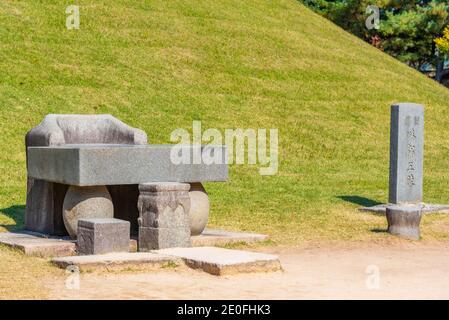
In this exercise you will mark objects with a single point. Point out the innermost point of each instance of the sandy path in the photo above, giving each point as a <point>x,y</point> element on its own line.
<point>405,272</point>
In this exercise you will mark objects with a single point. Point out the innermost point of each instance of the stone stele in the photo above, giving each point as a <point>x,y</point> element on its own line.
<point>406,153</point>
<point>406,159</point>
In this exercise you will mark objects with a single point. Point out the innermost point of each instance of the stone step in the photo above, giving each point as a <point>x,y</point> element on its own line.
<point>220,261</point>
<point>33,245</point>
<point>117,261</point>
<point>216,261</point>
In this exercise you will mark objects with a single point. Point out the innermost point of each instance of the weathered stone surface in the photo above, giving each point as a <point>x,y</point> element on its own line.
<point>100,236</point>
<point>213,237</point>
<point>159,238</point>
<point>117,261</point>
<point>99,164</point>
<point>199,208</point>
<point>216,261</point>
<point>164,205</point>
<point>219,261</point>
<point>37,245</point>
<point>159,187</point>
<point>43,211</point>
<point>403,220</point>
<point>44,199</point>
<point>406,153</point>
<point>209,237</point>
<point>164,215</point>
<point>60,129</point>
<point>85,203</point>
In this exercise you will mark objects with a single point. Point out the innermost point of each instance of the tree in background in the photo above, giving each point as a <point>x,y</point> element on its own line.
<point>442,44</point>
<point>348,14</point>
<point>443,41</point>
<point>407,27</point>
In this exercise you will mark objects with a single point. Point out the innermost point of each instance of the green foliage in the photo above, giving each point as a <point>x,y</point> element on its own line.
<point>407,27</point>
<point>443,42</point>
<point>321,6</point>
<point>348,14</point>
<point>351,16</point>
<point>408,32</point>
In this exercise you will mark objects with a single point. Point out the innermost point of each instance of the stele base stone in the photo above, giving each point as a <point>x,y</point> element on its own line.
<point>425,208</point>
<point>100,236</point>
<point>403,220</point>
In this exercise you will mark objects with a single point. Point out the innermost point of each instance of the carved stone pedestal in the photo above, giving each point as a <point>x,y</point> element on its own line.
<point>403,220</point>
<point>164,215</point>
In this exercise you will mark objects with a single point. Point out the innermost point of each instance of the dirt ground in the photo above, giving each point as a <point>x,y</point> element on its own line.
<point>404,271</point>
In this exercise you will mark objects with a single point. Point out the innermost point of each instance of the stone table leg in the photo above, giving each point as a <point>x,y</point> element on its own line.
<point>164,215</point>
<point>199,208</point>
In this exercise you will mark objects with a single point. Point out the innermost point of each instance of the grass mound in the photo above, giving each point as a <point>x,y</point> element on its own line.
<point>159,65</point>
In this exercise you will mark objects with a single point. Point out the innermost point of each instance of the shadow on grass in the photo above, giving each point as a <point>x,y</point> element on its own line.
<point>378,230</point>
<point>361,201</point>
<point>17,214</point>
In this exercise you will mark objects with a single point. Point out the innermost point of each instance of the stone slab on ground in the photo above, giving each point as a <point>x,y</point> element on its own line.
<point>38,244</point>
<point>31,244</point>
<point>117,261</point>
<point>220,261</point>
<point>215,237</point>
<point>427,208</point>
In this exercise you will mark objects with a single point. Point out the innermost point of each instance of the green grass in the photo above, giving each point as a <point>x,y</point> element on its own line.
<point>24,277</point>
<point>159,65</point>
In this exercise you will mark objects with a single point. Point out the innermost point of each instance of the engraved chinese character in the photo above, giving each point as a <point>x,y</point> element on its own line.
<point>416,120</point>
<point>411,179</point>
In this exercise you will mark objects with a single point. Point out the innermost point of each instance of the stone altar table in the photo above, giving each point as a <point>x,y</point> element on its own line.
<point>82,167</point>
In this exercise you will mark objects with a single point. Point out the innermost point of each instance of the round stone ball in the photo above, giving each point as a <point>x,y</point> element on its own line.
<point>199,208</point>
<point>85,203</point>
